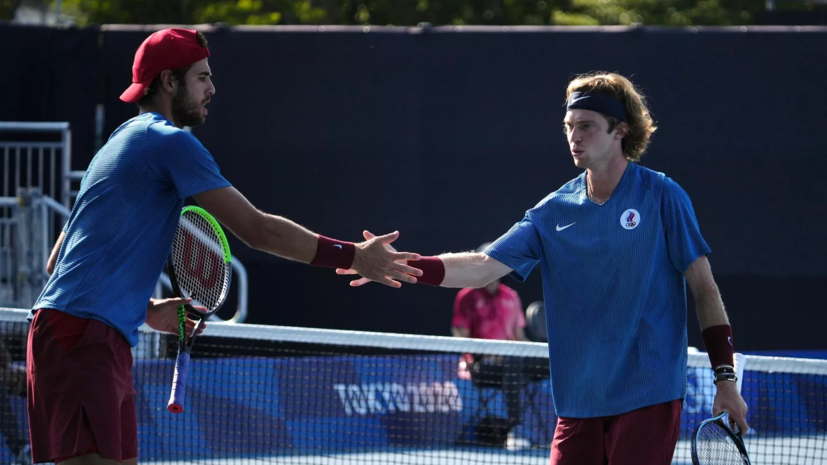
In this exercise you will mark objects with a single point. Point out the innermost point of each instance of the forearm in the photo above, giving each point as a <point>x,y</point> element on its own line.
<point>710,307</point>
<point>471,269</point>
<point>282,237</point>
<point>50,264</point>
<point>712,318</point>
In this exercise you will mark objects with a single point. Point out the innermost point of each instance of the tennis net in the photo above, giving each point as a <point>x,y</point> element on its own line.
<point>276,395</point>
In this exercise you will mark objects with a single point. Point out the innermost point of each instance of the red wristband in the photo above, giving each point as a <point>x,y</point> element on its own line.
<point>718,342</point>
<point>331,253</point>
<point>433,270</point>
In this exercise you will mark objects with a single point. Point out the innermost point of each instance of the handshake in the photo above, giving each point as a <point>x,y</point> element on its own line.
<point>376,260</point>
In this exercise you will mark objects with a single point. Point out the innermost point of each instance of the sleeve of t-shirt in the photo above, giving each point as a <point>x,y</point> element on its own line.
<point>683,235</point>
<point>190,167</point>
<point>519,248</point>
<point>460,319</point>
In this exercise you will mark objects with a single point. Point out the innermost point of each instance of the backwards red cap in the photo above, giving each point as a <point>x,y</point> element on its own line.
<point>167,49</point>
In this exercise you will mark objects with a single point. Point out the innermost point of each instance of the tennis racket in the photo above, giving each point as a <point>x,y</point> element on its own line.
<point>714,443</point>
<point>199,268</point>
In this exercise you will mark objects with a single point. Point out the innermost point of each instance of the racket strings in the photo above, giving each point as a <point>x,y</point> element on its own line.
<point>199,261</point>
<point>715,447</point>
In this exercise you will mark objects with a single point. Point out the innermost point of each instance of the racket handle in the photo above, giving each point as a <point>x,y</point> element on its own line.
<point>179,383</point>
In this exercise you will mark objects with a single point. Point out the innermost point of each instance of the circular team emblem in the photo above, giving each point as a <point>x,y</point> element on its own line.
<point>630,219</point>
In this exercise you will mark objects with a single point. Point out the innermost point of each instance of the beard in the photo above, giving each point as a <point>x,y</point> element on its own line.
<point>185,110</point>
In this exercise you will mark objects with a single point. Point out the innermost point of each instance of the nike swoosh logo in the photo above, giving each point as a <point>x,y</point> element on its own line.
<point>337,246</point>
<point>566,226</point>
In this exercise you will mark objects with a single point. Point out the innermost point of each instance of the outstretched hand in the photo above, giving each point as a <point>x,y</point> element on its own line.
<point>376,260</point>
<point>162,315</point>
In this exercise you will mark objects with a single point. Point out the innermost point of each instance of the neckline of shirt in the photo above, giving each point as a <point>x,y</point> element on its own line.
<point>584,187</point>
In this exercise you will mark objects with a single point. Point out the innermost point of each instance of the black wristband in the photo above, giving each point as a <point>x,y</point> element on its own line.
<point>725,374</point>
<point>724,369</point>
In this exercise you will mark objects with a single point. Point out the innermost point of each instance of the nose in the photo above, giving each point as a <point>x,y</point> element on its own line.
<point>575,136</point>
<point>211,89</point>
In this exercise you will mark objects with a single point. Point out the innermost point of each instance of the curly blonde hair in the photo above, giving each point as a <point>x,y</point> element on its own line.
<point>640,122</point>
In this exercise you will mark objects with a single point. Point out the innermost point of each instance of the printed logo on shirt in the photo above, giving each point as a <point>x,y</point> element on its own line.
<point>630,219</point>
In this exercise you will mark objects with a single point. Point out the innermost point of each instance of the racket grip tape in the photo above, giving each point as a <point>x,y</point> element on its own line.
<point>179,383</point>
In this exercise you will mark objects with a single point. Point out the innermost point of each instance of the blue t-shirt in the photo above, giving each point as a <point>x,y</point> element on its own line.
<point>614,290</point>
<point>121,227</point>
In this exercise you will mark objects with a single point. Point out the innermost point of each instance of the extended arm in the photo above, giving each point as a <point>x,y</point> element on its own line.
<point>471,269</point>
<point>465,269</point>
<point>282,237</point>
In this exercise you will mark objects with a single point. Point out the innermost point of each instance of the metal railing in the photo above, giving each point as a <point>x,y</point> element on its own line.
<point>23,158</point>
<point>37,196</point>
<point>24,247</point>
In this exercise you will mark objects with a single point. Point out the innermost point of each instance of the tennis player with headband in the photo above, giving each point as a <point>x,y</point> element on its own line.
<point>616,246</point>
<point>113,248</point>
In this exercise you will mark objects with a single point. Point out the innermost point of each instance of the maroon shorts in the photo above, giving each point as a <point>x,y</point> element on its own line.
<point>80,393</point>
<point>645,436</point>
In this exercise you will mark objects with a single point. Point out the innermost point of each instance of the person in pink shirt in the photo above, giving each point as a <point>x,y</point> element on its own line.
<point>491,312</point>
<point>494,312</point>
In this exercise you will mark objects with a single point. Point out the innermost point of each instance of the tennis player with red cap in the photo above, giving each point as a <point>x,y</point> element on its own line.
<point>107,260</point>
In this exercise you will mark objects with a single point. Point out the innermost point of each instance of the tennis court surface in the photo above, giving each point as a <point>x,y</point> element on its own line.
<point>273,395</point>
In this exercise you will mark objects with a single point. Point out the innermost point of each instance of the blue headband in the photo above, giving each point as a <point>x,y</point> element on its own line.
<point>600,103</point>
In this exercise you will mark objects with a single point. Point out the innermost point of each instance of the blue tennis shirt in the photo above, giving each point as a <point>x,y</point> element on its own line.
<point>615,294</point>
<point>121,227</point>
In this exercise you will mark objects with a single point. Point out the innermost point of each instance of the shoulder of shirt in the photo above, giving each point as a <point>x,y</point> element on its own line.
<point>157,129</point>
<point>568,188</point>
<point>463,293</point>
<point>656,182</point>
<point>508,291</point>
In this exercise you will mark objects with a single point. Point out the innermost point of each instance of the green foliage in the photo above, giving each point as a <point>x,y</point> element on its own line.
<point>7,8</point>
<point>669,12</point>
<point>412,12</point>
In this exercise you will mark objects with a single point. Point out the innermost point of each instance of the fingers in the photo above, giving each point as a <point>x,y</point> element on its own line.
<point>200,330</point>
<point>402,277</point>
<point>388,238</point>
<point>368,235</point>
<point>389,282</point>
<point>191,326</point>
<point>737,416</point>
<point>740,418</point>
<point>741,423</point>
<point>359,282</point>
<point>342,271</point>
<point>405,256</point>
<point>408,269</point>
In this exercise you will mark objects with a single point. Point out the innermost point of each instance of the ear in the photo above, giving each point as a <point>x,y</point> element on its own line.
<point>621,130</point>
<point>168,81</point>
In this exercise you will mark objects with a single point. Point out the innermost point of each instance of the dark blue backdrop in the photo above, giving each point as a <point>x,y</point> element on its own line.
<point>449,136</point>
